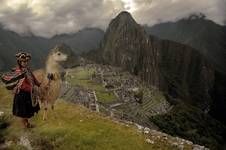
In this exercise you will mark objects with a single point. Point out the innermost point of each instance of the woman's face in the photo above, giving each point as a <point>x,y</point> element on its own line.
<point>24,64</point>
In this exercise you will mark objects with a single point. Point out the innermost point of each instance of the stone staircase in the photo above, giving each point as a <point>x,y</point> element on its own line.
<point>93,105</point>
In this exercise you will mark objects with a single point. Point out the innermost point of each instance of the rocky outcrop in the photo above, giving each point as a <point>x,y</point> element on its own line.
<point>127,45</point>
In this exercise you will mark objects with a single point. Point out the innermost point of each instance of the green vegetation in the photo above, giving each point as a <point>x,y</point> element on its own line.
<point>5,99</point>
<point>82,77</point>
<point>191,123</point>
<point>3,124</point>
<point>151,99</point>
<point>5,104</point>
<point>105,97</point>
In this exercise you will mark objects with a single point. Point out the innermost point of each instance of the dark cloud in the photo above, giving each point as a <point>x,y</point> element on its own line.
<point>50,17</point>
<point>169,10</point>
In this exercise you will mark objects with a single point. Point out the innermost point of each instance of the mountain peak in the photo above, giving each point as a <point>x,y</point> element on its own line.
<point>124,13</point>
<point>124,17</point>
<point>195,16</point>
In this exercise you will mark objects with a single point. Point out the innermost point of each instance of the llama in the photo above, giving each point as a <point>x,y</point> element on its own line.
<point>50,79</point>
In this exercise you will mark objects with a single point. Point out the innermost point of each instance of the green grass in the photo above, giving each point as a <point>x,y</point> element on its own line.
<point>5,99</point>
<point>93,132</point>
<point>70,126</point>
<point>82,77</point>
<point>105,97</point>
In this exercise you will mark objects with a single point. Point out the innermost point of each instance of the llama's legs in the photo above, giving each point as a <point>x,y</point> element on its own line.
<point>45,110</point>
<point>45,114</point>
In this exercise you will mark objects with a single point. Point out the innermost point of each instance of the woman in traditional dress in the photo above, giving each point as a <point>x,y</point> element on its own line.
<point>22,103</point>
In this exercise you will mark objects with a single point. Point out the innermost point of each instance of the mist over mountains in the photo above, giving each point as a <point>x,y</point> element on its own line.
<point>11,43</point>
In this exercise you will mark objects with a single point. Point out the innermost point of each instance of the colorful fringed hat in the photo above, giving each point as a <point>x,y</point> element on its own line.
<point>23,56</point>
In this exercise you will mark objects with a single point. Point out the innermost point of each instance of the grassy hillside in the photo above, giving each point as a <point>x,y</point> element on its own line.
<point>71,126</point>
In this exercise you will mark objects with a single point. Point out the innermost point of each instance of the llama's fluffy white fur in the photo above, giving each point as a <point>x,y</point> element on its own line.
<point>50,89</point>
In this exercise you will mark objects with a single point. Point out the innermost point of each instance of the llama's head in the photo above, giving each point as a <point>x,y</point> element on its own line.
<point>58,56</point>
<point>62,49</point>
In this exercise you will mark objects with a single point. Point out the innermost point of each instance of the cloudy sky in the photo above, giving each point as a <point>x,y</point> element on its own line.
<point>49,17</point>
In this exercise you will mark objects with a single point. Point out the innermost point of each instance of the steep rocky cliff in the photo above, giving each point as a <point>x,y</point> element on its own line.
<point>198,32</point>
<point>209,39</point>
<point>119,30</point>
<point>185,73</point>
<point>126,44</point>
